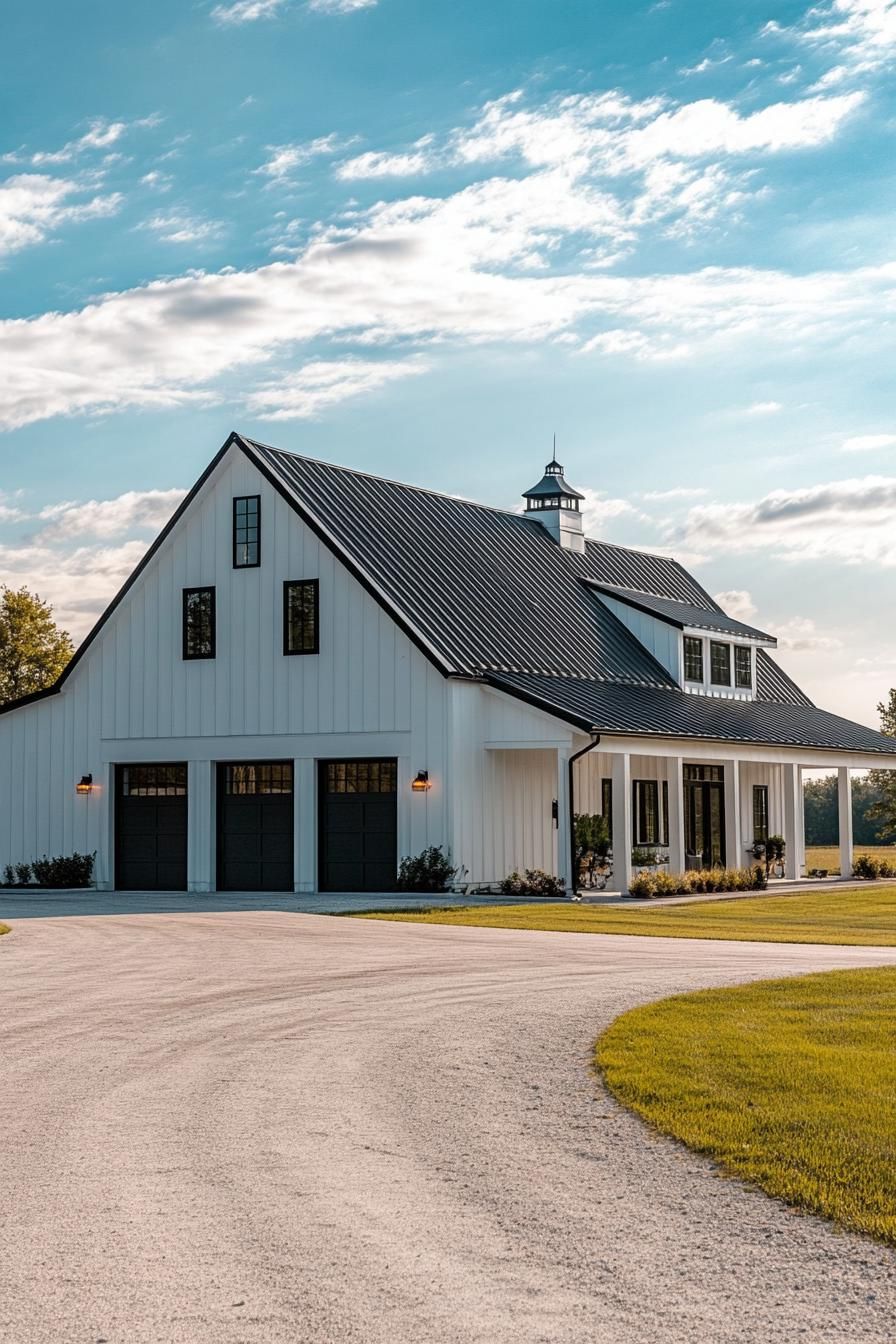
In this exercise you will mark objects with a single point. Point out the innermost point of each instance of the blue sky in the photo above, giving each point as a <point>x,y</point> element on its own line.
<point>420,239</point>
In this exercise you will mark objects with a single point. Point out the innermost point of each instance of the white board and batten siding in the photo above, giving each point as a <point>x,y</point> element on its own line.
<point>658,637</point>
<point>132,698</point>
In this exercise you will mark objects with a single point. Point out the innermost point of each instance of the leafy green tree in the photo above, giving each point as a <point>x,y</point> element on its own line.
<point>884,781</point>
<point>33,650</point>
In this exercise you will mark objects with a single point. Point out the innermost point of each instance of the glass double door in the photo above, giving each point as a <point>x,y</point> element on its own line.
<point>704,816</point>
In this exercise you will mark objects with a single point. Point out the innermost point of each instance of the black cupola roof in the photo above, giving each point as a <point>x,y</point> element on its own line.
<point>552,491</point>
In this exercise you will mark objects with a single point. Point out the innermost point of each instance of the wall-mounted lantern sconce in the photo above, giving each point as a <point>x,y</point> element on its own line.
<point>421,782</point>
<point>84,784</point>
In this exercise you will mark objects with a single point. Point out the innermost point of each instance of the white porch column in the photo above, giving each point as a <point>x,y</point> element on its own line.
<point>201,828</point>
<point>676,815</point>
<point>304,876</point>
<point>734,850</point>
<point>844,799</point>
<point>622,821</point>
<point>562,831</point>
<point>792,780</point>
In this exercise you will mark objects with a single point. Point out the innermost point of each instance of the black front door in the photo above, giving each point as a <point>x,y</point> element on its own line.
<point>151,827</point>
<point>358,825</point>
<point>704,816</point>
<point>255,826</point>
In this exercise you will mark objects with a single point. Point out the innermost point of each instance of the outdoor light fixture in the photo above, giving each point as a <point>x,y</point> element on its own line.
<point>420,783</point>
<point>85,784</point>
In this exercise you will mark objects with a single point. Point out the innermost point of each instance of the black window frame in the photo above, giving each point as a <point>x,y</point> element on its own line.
<point>641,788</point>
<point>713,679</point>
<point>692,641</point>
<point>739,651</point>
<point>247,564</point>
<point>760,815</point>
<point>313,586</point>
<point>189,657</point>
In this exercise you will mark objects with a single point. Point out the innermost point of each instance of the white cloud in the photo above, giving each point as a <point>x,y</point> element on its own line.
<point>373,164</point>
<point>108,518</point>
<point>340,6</point>
<point>156,181</point>
<point>320,384</point>
<point>677,492</point>
<point>763,408</point>
<point>247,11</point>
<point>100,135</point>
<point>868,443</point>
<point>286,158</point>
<point>34,205</point>
<point>859,34</point>
<point>180,227</point>
<point>738,604</point>
<point>800,635</point>
<point>848,521</point>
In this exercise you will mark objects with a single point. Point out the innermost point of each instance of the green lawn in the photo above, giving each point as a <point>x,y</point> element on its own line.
<point>863,916</point>
<point>789,1084</point>
<point>828,856</point>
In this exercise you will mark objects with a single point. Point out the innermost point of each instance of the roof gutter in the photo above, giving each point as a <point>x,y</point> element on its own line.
<point>571,794</point>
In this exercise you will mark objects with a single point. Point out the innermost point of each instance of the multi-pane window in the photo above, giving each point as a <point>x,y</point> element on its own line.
<point>606,803</point>
<point>651,822</point>
<point>246,531</point>
<point>153,781</point>
<point>361,776</point>
<point>259,778</point>
<point>300,616</point>
<point>720,664</point>
<point>713,774</point>
<point>760,814</point>
<point>693,658</point>
<point>199,623</point>
<point>743,667</point>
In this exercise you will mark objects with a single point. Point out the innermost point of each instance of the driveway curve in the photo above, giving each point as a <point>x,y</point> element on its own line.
<point>272,1127</point>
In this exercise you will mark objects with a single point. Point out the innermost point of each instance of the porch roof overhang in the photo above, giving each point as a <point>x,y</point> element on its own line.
<point>640,711</point>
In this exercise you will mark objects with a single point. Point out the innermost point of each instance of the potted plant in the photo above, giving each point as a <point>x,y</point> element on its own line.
<point>775,847</point>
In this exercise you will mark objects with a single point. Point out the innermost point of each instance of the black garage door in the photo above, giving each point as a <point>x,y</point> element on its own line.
<point>151,827</point>
<point>255,826</point>
<point>358,825</point>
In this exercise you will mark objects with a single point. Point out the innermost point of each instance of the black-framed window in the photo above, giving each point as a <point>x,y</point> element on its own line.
<point>246,531</point>
<point>606,804</point>
<point>650,819</point>
<point>301,624</point>
<point>362,776</point>
<point>719,664</point>
<point>199,623</point>
<point>693,658</point>
<point>700,773</point>
<point>153,781</point>
<point>260,777</point>
<point>760,814</point>
<point>743,667</point>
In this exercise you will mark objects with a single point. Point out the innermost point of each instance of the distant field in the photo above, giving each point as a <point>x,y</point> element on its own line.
<point>828,856</point>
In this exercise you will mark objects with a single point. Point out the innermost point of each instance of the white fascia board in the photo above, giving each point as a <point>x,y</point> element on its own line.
<point>704,749</point>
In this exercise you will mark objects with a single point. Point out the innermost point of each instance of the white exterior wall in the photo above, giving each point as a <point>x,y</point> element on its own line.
<point>133,698</point>
<point>658,637</point>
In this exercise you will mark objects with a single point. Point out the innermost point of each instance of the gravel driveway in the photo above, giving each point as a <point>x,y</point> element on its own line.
<point>270,1127</point>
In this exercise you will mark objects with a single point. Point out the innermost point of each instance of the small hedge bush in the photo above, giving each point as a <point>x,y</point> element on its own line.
<point>430,870</point>
<point>872,869</point>
<point>534,882</point>
<point>650,885</point>
<point>75,870</point>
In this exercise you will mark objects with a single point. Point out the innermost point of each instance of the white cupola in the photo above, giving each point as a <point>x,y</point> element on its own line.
<point>555,505</point>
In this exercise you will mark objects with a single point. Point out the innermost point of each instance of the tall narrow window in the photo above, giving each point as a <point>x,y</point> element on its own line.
<point>760,814</point>
<point>743,667</point>
<point>301,632</point>
<point>720,664</point>
<point>606,803</point>
<point>646,812</point>
<point>199,623</point>
<point>693,658</point>
<point>246,531</point>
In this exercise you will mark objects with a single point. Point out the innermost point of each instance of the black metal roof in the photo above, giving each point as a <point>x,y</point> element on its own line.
<point>642,711</point>
<point>682,614</point>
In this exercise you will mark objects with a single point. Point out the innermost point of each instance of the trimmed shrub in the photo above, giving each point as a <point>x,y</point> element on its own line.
<point>700,881</point>
<point>871,868</point>
<point>23,874</point>
<point>534,882</point>
<point>75,870</point>
<point>431,870</point>
<point>9,876</point>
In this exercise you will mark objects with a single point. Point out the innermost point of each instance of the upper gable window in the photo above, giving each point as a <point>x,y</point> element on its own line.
<point>720,664</point>
<point>246,531</point>
<point>301,632</point>
<point>743,667</point>
<point>199,623</point>
<point>693,658</point>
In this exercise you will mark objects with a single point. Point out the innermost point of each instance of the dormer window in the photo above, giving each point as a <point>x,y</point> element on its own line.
<point>719,663</point>
<point>743,667</point>
<point>693,659</point>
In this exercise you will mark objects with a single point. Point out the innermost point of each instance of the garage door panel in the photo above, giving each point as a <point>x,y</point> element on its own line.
<point>151,827</point>
<point>255,826</point>
<point>358,825</point>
